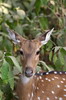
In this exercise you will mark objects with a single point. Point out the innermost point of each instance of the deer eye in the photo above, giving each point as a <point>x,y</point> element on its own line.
<point>38,52</point>
<point>20,52</point>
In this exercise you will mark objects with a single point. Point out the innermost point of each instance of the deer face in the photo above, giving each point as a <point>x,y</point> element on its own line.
<point>29,56</point>
<point>29,50</point>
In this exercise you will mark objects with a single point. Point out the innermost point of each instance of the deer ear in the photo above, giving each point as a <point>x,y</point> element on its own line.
<point>44,38</point>
<point>15,37</point>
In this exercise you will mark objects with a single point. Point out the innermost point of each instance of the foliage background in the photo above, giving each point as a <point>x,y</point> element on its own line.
<point>31,18</point>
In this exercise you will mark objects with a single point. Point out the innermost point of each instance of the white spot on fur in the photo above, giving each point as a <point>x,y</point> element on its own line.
<point>48,98</point>
<point>38,98</point>
<point>38,72</point>
<point>60,98</point>
<point>64,95</point>
<point>47,73</point>
<point>53,79</point>
<point>37,88</point>
<point>56,77</point>
<point>58,86</point>
<point>64,85</point>
<point>40,77</point>
<point>52,92</point>
<point>56,97</point>
<point>46,78</point>
<point>60,72</point>
<point>49,80</point>
<point>62,82</point>
<point>63,79</point>
<point>37,78</point>
<point>42,80</point>
<point>41,74</point>
<point>64,89</point>
<point>42,91</point>
<point>29,95</point>
<point>32,94</point>
<point>55,72</point>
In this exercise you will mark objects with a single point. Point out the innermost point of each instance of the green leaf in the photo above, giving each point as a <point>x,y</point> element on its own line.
<point>4,71</point>
<point>43,23</point>
<point>58,65</point>
<point>57,48</point>
<point>11,79</point>
<point>37,6</point>
<point>38,69</point>
<point>49,46</point>
<point>1,95</point>
<point>63,51</point>
<point>50,56</point>
<point>1,55</point>
<point>45,65</point>
<point>19,29</point>
<point>15,62</point>
<point>44,2</point>
<point>61,58</point>
<point>55,58</point>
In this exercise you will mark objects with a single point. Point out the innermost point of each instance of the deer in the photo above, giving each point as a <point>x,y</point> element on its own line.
<point>34,85</point>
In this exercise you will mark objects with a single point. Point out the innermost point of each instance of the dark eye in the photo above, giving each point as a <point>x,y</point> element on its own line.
<point>20,52</point>
<point>38,52</point>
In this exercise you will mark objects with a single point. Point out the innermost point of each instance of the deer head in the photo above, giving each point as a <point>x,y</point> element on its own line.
<point>29,50</point>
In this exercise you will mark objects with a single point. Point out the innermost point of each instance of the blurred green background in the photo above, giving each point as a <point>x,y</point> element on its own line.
<point>31,18</point>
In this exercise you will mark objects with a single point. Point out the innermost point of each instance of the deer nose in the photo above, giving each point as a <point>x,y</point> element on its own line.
<point>28,71</point>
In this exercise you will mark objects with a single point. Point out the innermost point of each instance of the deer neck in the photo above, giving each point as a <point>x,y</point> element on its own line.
<point>26,87</point>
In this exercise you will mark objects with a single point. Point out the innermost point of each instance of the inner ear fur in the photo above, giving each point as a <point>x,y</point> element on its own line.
<point>43,36</point>
<point>14,36</point>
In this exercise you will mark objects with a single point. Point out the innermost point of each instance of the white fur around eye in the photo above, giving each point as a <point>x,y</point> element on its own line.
<point>47,38</point>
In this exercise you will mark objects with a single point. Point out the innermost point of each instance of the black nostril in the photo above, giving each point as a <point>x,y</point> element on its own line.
<point>28,71</point>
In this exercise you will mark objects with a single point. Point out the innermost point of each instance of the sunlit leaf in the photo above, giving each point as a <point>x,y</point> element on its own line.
<point>21,13</point>
<point>15,63</point>
<point>52,2</point>
<point>4,10</point>
<point>45,65</point>
<point>5,4</point>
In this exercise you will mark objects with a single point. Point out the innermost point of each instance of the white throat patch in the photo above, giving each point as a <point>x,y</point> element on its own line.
<point>25,79</point>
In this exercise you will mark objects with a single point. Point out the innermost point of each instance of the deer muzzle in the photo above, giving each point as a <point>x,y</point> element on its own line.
<point>28,71</point>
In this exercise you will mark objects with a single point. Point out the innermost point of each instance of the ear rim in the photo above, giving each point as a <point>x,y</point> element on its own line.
<point>14,36</point>
<point>43,37</point>
<point>47,38</point>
